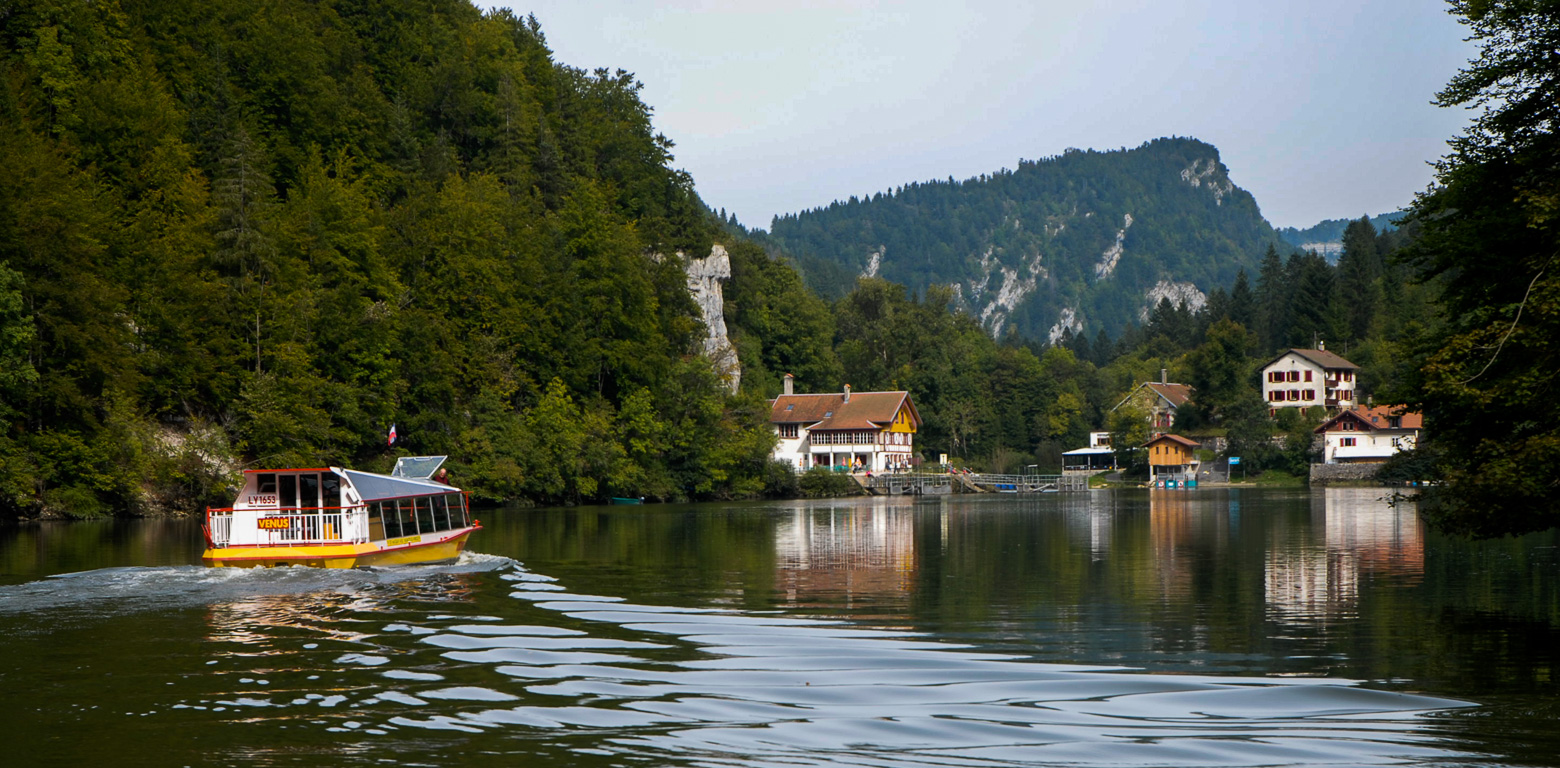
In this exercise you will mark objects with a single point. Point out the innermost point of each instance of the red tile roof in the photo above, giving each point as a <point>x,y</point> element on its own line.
<point>1377,417</point>
<point>1177,394</point>
<point>866,410</point>
<point>1173,438</point>
<point>1319,356</point>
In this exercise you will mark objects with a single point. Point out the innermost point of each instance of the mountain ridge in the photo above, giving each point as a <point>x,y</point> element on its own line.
<point>1081,241</point>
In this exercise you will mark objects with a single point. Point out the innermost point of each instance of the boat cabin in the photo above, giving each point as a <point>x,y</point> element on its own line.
<point>333,506</point>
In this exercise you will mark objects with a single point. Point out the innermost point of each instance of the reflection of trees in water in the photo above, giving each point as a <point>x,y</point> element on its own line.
<point>853,551</point>
<point>1363,536</point>
<point>64,546</point>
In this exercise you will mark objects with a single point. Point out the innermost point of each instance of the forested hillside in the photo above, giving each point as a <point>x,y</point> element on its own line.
<point>237,234</point>
<point>1326,237</point>
<point>1086,241</point>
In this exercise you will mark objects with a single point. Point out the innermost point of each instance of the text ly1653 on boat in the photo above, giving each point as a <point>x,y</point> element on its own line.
<point>340,518</point>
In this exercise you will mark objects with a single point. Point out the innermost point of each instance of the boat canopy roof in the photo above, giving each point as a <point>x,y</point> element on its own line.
<point>417,467</point>
<point>375,487</point>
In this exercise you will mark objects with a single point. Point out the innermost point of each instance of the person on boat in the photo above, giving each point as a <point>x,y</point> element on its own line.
<point>442,476</point>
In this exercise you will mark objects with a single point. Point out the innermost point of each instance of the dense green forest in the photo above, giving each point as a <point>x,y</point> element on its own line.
<point>259,235</point>
<point>1086,233</point>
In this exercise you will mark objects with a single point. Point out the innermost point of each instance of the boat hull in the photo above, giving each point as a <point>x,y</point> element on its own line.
<point>408,550</point>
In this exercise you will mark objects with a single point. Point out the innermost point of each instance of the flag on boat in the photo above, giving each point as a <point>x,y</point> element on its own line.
<point>391,441</point>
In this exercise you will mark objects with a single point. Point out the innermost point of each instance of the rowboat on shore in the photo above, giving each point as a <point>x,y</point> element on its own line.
<point>340,518</point>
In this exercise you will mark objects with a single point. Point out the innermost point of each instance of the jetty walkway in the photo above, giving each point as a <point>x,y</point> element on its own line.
<point>942,483</point>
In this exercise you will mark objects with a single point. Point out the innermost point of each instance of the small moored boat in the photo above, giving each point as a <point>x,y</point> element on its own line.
<point>340,518</point>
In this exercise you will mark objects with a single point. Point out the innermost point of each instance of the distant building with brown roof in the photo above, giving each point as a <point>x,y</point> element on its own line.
<point>871,431</point>
<point>1159,399</point>
<point>1369,434</point>
<point>1301,378</point>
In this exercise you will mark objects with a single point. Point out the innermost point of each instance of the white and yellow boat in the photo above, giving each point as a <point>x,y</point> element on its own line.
<point>340,518</point>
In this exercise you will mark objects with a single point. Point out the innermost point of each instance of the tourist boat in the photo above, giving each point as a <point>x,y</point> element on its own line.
<point>340,518</point>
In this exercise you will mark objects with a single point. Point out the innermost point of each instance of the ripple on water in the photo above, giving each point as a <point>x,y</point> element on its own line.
<point>715,687</point>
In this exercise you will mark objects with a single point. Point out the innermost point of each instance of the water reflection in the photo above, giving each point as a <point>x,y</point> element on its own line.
<point>851,551</point>
<point>1358,534</point>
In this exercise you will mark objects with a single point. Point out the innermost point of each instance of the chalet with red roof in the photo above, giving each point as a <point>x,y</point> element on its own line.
<point>1160,400</point>
<point>865,431</point>
<point>1301,378</point>
<point>1369,434</point>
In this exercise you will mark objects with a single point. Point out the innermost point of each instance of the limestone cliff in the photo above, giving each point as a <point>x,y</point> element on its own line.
<point>704,284</point>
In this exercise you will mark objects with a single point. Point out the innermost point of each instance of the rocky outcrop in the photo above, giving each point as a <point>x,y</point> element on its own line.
<point>1205,172</point>
<point>874,262</point>
<point>1067,321</point>
<point>1108,259</point>
<point>704,284</point>
<point>1177,293</point>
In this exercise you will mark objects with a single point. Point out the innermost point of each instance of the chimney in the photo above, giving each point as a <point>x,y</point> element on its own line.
<point>1321,346</point>
<point>1370,401</point>
<point>847,393</point>
<point>790,384</point>
<point>1164,375</point>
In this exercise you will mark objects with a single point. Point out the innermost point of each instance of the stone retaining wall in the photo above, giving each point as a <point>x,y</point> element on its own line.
<point>1327,474</point>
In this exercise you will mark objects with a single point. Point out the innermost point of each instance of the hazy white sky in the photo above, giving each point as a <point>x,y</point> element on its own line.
<point>1321,108</point>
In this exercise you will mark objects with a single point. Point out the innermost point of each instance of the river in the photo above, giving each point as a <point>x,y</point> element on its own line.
<point>1247,627</point>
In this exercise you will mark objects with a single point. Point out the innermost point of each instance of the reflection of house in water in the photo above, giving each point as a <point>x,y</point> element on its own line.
<point>1173,526</point>
<point>852,551</point>
<point>1364,535</point>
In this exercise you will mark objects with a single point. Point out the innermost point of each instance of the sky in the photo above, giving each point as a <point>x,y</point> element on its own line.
<point>1321,109</point>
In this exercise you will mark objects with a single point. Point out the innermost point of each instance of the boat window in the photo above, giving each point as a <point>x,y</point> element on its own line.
<point>408,514</point>
<point>441,512</point>
<point>289,490</point>
<point>425,520</point>
<point>331,485</point>
<point>458,503</point>
<point>265,483</point>
<point>391,521</point>
<point>309,490</point>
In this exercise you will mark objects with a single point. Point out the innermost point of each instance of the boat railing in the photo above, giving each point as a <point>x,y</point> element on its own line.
<point>292,527</point>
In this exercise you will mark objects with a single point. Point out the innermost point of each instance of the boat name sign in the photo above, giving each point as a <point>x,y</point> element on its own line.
<point>274,523</point>
<point>263,500</point>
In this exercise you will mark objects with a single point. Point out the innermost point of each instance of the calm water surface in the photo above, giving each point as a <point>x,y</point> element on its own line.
<point>1133,628</point>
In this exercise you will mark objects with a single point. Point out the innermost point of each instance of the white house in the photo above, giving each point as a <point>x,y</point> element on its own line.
<point>1366,434</point>
<point>1097,457</point>
<point>872,431</point>
<point>1301,378</point>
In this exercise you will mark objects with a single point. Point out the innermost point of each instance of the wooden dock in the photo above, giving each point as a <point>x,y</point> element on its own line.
<point>944,483</point>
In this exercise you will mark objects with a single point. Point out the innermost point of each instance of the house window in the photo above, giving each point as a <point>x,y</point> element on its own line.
<point>1294,375</point>
<point>1307,375</point>
<point>1294,395</point>
<point>1347,442</point>
<point>789,431</point>
<point>1310,394</point>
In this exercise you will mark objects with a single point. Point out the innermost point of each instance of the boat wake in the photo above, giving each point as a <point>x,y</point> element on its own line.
<point>122,590</point>
<point>599,675</point>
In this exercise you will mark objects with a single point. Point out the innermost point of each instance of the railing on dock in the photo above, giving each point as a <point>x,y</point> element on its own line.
<point>940,483</point>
